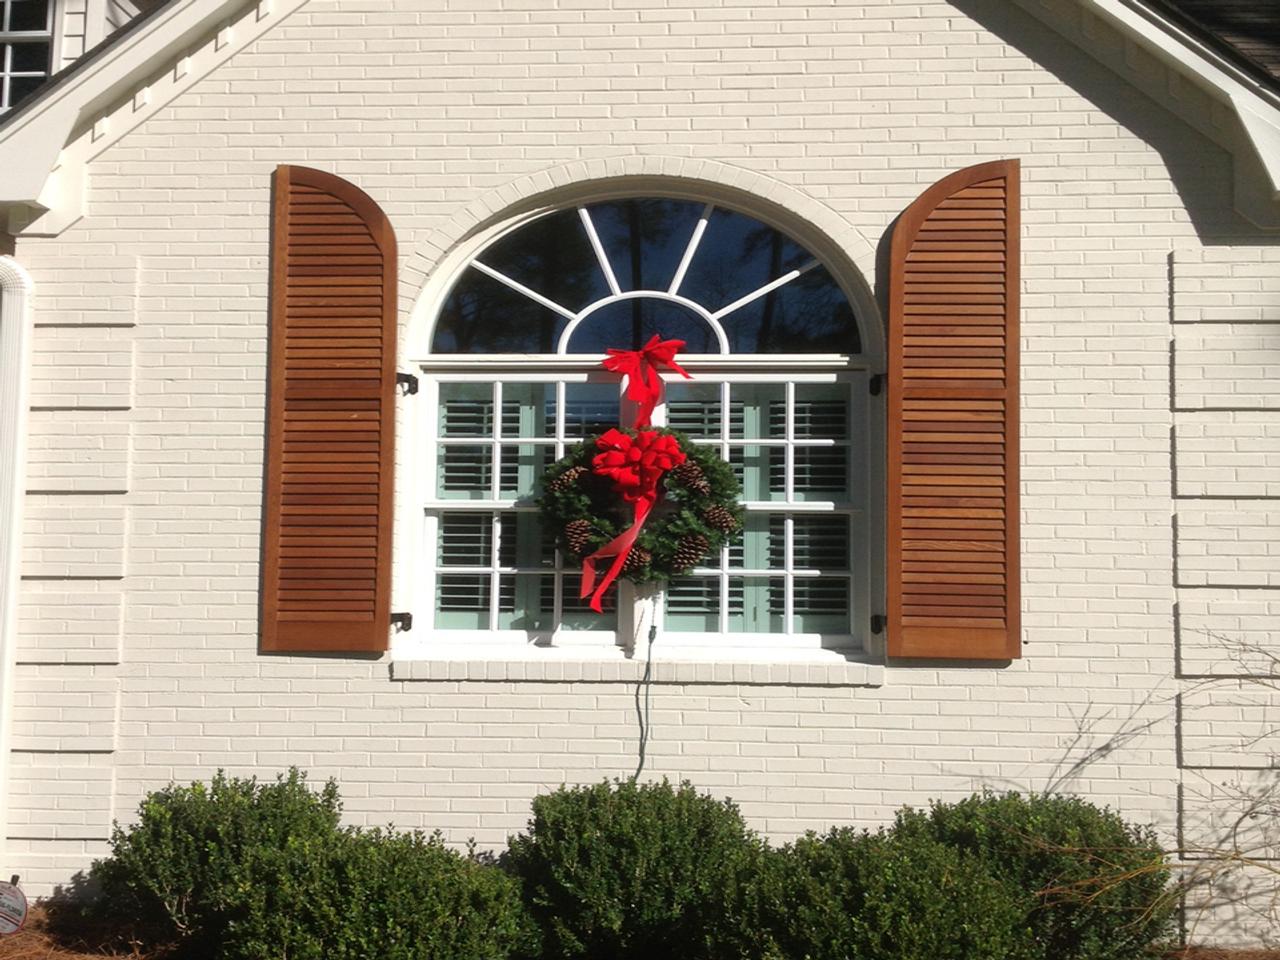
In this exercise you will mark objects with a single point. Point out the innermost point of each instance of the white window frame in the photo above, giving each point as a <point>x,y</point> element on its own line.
<point>637,609</point>
<point>10,38</point>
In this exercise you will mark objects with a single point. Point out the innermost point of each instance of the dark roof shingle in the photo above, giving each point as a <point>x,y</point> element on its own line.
<point>1246,31</point>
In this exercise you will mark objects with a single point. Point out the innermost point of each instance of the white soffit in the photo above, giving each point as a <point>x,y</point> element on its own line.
<point>45,149</point>
<point>1255,104</point>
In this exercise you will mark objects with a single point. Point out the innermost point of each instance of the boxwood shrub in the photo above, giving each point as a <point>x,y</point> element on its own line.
<point>243,870</point>
<point>888,897</point>
<point>1097,887</point>
<point>639,870</point>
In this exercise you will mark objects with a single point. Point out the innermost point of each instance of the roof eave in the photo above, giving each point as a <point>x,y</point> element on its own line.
<point>31,140</point>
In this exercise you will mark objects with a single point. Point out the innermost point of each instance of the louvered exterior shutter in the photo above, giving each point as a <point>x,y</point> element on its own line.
<point>953,571</point>
<point>330,427</point>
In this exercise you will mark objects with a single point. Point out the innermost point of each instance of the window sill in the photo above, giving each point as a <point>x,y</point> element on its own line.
<point>583,667</point>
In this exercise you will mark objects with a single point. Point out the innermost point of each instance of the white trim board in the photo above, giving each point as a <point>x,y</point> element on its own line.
<point>15,349</point>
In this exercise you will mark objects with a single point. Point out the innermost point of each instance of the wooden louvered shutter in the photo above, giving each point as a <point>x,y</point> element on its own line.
<point>953,572</point>
<point>330,426</point>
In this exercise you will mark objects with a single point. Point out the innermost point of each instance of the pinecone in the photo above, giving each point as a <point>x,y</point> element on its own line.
<point>720,517</point>
<point>577,536</point>
<point>566,480</point>
<point>691,475</point>
<point>637,558</point>
<point>689,551</point>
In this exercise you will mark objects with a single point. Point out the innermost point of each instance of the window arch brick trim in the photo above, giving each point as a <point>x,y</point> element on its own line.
<point>328,495</point>
<point>953,544</point>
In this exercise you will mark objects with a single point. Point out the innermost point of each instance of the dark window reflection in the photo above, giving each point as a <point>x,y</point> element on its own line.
<point>551,256</point>
<point>645,238</point>
<point>736,256</point>
<point>485,316</point>
<point>809,314</point>
<point>628,325</point>
<point>28,15</point>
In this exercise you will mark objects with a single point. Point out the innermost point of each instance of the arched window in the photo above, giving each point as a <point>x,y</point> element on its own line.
<point>780,389</point>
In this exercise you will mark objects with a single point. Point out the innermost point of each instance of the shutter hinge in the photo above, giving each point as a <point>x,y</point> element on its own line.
<point>402,620</point>
<point>408,381</point>
<point>876,384</point>
<point>877,623</point>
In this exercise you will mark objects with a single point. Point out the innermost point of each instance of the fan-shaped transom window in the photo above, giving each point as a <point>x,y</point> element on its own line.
<point>612,274</point>
<point>788,412</point>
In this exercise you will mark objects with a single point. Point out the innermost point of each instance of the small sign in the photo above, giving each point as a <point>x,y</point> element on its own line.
<point>13,908</point>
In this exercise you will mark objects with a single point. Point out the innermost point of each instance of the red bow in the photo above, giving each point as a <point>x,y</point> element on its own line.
<point>640,367</point>
<point>635,464</point>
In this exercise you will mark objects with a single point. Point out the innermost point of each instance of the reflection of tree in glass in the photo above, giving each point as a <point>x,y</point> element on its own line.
<point>644,239</point>
<point>551,256</point>
<point>485,316</point>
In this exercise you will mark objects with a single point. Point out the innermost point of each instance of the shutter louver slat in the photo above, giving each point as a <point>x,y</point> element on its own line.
<point>953,423</point>
<point>328,493</point>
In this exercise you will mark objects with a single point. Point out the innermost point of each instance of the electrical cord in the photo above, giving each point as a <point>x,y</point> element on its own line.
<point>642,712</point>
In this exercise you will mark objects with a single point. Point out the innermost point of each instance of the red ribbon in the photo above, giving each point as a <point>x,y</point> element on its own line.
<point>640,367</point>
<point>635,465</point>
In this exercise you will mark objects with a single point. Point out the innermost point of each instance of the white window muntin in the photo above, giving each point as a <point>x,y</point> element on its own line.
<point>15,48</point>
<point>635,612</point>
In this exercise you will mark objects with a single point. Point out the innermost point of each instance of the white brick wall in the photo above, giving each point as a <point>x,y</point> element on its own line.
<point>448,113</point>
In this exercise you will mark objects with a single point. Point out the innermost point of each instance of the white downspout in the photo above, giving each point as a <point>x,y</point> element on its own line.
<point>15,352</point>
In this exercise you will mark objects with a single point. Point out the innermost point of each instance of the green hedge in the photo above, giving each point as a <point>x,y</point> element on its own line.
<point>1097,888</point>
<point>625,870</point>
<point>242,870</point>
<point>887,897</point>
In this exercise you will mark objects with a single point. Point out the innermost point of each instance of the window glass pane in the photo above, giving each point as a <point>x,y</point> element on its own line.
<point>628,325</point>
<point>528,409</point>
<point>576,613</point>
<point>29,58</point>
<point>526,601</point>
<point>758,411</point>
<point>590,409</point>
<point>738,255</point>
<point>822,473</point>
<point>756,604</point>
<point>761,471</point>
<point>525,541</point>
<point>821,542</point>
<point>522,467</point>
<point>822,411</point>
<point>29,15</point>
<point>693,604</point>
<point>821,605</point>
<point>22,87</point>
<point>694,408</point>
<point>482,315</point>
<point>762,546</point>
<point>465,539</point>
<point>466,410</point>
<point>462,601</point>
<point>465,472</point>
<point>645,238</point>
<point>551,256</point>
<point>809,314</point>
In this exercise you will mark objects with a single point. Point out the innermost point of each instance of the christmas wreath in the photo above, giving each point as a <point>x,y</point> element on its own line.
<point>697,511</point>
<point>646,499</point>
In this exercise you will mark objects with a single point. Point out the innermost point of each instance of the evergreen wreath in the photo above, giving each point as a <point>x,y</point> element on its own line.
<point>698,514</point>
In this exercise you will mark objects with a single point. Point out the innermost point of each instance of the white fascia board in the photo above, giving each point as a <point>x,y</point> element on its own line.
<point>30,145</point>
<point>1256,105</point>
